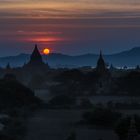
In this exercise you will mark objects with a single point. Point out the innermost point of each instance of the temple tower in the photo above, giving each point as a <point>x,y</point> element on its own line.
<point>101,66</point>
<point>132,132</point>
<point>36,58</point>
<point>36,61</point>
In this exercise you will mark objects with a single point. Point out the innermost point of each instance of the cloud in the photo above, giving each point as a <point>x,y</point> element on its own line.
<point>71,23</point>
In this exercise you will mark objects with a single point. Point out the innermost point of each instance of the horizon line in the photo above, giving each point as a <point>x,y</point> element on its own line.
<point>113,53</point>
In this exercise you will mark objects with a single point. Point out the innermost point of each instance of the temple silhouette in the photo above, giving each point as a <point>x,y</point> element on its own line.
<point>35,67</point>
<point>101,66</point>
<point>36,60</point>
<point>132,132</point>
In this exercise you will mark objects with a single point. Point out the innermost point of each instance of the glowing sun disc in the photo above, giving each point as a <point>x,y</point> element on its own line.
<point>46,51</point>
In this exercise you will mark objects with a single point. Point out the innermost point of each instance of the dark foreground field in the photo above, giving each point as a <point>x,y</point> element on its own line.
<point>58,124</point>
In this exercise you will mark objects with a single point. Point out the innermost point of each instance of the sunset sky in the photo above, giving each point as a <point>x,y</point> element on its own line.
<point>69,26</point>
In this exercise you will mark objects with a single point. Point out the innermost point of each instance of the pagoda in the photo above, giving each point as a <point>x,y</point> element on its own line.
<point>36,59</point>
<point>101,66</point>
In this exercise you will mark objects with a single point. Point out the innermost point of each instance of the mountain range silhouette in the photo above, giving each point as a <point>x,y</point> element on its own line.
<point>129,58</point>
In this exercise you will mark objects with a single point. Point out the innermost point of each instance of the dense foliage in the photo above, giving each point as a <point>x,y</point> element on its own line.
<point>102,117</point>
<point>13,94</point>
<point>16,101</point>
<point>62,101</point>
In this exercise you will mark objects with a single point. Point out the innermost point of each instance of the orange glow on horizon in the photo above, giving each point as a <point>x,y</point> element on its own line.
<point>45,39</point>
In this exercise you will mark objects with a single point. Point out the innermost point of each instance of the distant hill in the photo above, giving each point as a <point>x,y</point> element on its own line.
<point>130,58</point>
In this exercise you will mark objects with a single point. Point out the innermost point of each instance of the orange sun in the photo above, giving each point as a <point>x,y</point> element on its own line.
<point>46,51</point>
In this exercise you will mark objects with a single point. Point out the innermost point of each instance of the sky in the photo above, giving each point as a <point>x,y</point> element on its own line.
<point>69,26</point>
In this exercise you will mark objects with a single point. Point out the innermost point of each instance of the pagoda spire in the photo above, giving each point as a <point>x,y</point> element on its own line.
<point>101,66</point>
<point>132,132</point>
<point>36,58</point>
<point>36,61</point>
<point>100,53</point>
